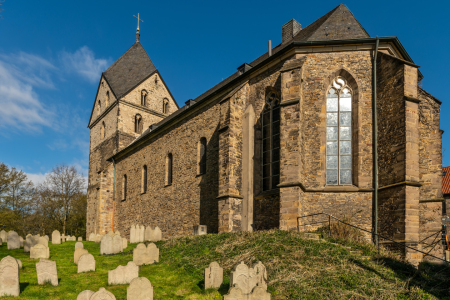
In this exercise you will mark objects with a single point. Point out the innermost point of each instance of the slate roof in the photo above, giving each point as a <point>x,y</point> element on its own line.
<point>129,70</point>
<point>446,180</point>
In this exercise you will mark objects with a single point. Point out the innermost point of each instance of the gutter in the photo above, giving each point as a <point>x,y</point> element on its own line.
<point>274,56</point>
<point>375,145</point>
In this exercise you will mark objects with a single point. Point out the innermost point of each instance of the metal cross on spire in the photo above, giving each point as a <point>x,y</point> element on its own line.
<point>138,21</point>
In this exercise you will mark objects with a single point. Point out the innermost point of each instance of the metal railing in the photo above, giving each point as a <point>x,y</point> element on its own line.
<point>378,236</point>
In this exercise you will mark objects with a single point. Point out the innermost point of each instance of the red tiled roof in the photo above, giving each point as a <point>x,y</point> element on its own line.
<point>446,180</point>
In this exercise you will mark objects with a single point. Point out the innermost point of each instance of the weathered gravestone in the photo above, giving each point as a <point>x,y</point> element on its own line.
<point>19,262</point>
<point>46,272</point>
<point>142,234</point>
<point>117,232</point>
<point>80,239</point>
<point>123,274</point>
<point>102,294</point>
<point>148,234</point>
<point>3,235</point>
<point>153,235</point>
<point>13,240</point>
<point>79,245</point>
<point>31,241</point>
<point>85,295</point>
<point>39,251</point>
<point>111,233</point>
<point>213,276</point>
<point>106,245</point>
<point>140,289</point>
<point>47,238</point>
<point>258,293</point>
<point>133,234</point>
<point>145,255</point>
<point>78,253</point>
<point>21,241</point>
<point>246,278</point>
<point>117,244</point>
<point>98,238</point>
<point>92,237</point>
<point>124,243</point>
<point>43,241</point>
<point>200,229</point>
<point>157,234</point>
<point>86,263</point>
<point>9,277</point>
<point>56,237</point>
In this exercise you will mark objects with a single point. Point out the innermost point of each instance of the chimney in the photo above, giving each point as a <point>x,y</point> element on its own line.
<point>289,30</point>
<point>270,48</point>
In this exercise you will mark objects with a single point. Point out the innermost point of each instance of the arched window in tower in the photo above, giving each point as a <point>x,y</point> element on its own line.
<point>169,168</point>
<point>202,156</point>
<point>99,106</point>
<point>339,133</point>
<point>107,98</point>
<point>124,187</point>
<point>102,131</point>
<point>144,180</point>
<point>138,124</point>
<point>144,98</point>
<point>165,106</point>
<point>271,141</point>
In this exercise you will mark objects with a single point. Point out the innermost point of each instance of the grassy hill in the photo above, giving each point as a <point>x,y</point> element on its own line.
<point>298,268</point>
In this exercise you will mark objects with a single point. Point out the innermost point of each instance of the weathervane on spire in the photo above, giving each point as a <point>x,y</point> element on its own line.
<point>137,32</point>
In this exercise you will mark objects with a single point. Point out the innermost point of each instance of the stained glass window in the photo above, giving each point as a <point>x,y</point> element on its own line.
<point>271,142</point>
<point>339,134</point>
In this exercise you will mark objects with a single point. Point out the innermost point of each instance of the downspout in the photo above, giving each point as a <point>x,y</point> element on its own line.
<point>114,192</point>
<point>375,145</point>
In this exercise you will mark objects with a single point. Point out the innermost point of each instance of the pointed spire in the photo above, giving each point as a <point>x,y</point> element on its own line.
<point>138,35</point>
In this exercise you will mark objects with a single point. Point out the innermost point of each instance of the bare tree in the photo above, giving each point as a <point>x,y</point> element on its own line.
<point>4,178</point>
<point>66,184</point>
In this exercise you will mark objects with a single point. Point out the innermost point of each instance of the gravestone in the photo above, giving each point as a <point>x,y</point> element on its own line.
<point>47,238</point>
<point>200,229</point>
<point>28,243</point>
<point>157,234</point>
<point>19,262</point>
<point>13,240</point>
<point>86,263</point>
<point>123,274</point>
<point>80,239</point>
<point>213,276</point>
<point>43,241</point>
<point>56,237</point>
<point>85,295</point>
<point>124,243</point>
<point>117,232</point>
<point>102,294</point>
<point>21,241</point>
<point>39,251</point>
<point>9,277</point>
<point>148,234</point>
<point>92,237</point>
<point>63,238</point>
<point>106,245</point>
<point>111,233</point>
<point>98,238</point>
<point>140,288</point>
<point>258,293</point>
<point>246,278</point>
<point>145,255</point>
<point>79,245</point>
<point>78,253</point>
<point>133,234</point>
<point>3,235</point>
<point>1,241</point>
<point>46,272</point>
<point>142,234</point>
<point>117,244</point>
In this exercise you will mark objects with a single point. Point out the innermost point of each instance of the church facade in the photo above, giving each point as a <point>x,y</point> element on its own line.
<point>290,134</point>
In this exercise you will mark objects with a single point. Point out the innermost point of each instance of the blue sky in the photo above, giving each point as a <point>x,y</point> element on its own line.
<point>53,52</point>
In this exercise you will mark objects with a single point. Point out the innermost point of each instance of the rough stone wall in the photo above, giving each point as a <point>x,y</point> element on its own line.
<point>126,119</point>
<point>106,102</point>
<point>191,199</point>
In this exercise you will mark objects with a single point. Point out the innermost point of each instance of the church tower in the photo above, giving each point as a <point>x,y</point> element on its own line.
<point>131,96</point>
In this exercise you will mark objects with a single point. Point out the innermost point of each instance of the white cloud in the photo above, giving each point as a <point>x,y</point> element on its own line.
<point>84,63</point>
<point>37,178</point>
<point>20,106</point>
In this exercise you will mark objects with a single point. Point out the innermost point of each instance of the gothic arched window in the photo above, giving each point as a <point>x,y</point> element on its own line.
<point>124,187</point>
<point>144,179</point>
<point>339,133</point>
<point>138,124</point>
<point>144,98</point>
<point>169,167</point>
<point>107,98</point>
<point>165,106</point>
<point>202,156</point>
<point>102,131</point>
<point>99,106</point>
<point>271,141</point>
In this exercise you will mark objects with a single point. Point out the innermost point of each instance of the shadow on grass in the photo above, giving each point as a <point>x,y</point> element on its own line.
<point>223,289</point>
<point>23,286</point>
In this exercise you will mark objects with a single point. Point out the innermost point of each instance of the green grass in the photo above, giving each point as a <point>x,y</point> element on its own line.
<point>298,269</point>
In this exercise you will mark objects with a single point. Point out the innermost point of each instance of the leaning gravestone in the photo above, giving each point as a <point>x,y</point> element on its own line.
<point>213,276</point>
<point>123,274</point>
<point>43,241</point>
<point>258,293</point>
<point>46,272</point>
<point>39,251</point>
<point>78,253</point>
<point>246,278</point>
<point>140,289</point>
<point>3,235</point>
<point>56,237</point>
<point>79,245</point>
<point>145,255</point>
<point>117,244</point>
<point>86,263</point>
<point>106,245</point>
<point>102,294</point>
<point>124,243</point>
<point>85,295</point>
<point>9,277</point>
<point>13,240</point>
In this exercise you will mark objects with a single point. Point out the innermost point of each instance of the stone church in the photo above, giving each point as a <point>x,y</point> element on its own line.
<point>305,128</point>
